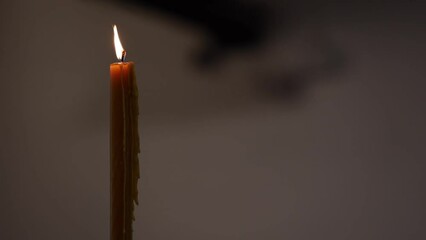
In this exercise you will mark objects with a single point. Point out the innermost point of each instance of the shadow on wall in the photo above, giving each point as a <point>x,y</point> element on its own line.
<point>230,24</point>
<point>285,51</point>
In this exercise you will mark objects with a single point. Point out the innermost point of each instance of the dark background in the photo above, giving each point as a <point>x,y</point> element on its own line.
<point>260,119</point>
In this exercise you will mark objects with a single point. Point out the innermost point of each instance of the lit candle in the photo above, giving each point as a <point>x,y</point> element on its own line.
<point>124,145</point>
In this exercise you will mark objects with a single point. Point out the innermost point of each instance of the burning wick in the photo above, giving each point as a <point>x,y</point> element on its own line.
<point>123,56</point>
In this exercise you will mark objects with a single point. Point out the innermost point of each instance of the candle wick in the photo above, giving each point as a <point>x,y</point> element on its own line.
<point>123,55</point>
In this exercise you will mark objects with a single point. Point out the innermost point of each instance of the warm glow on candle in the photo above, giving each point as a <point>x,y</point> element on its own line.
<point>124,145</point>
<point>119,51</point>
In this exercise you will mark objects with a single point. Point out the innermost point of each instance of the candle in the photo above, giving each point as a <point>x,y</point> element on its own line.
<point>124,145</point>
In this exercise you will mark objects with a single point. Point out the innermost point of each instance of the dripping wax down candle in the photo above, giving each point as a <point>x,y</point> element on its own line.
<point>124,145</point>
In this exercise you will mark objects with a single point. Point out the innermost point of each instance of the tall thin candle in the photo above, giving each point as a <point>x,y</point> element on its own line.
<point>124,145</point>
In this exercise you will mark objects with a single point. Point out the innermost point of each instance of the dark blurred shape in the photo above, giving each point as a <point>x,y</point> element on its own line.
<point>290,84</point>
<point>231,24</point>
<point>234,26</point>
<point>286,87</point>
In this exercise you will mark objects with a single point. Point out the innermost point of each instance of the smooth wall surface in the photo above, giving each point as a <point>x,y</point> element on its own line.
<point>317,133</point>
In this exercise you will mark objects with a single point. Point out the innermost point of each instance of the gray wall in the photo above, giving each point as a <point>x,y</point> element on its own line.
<point>222,157</point>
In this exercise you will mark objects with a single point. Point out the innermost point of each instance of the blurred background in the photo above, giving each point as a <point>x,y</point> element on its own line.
<point>260,119</point>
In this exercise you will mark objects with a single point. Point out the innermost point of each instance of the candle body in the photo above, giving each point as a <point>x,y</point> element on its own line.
<point>124,149</point>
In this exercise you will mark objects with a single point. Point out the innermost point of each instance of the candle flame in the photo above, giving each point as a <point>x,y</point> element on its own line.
<point>119,50</point>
